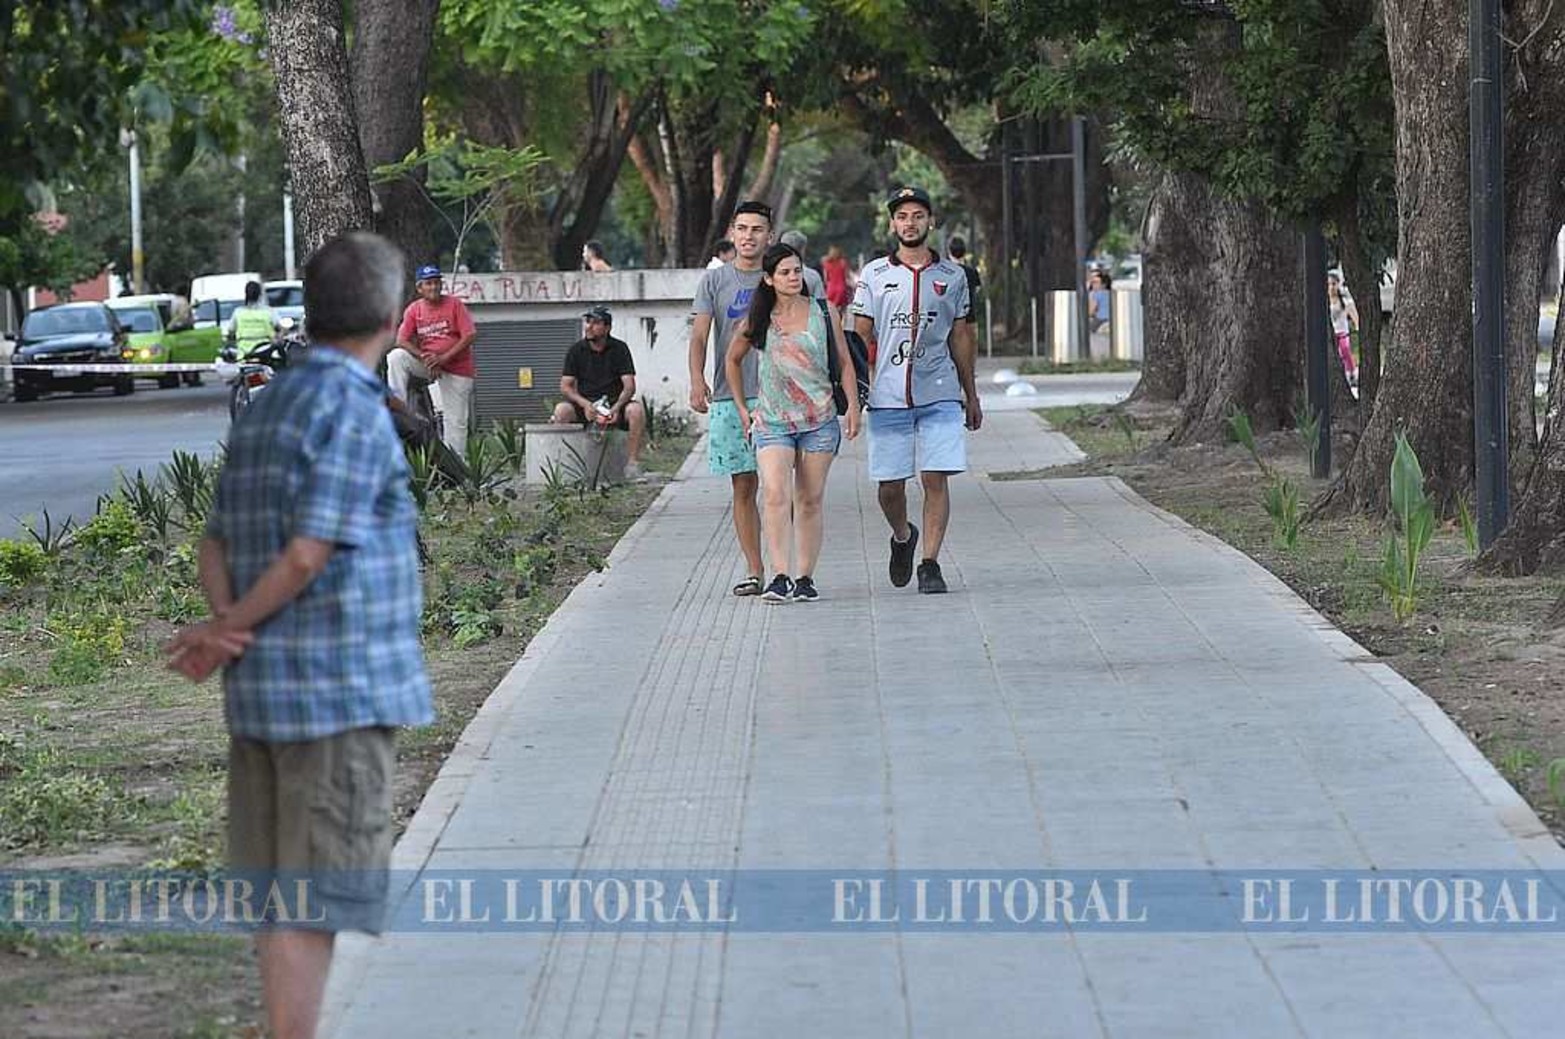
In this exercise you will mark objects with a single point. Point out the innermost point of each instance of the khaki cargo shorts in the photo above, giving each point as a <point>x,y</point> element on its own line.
<point>317,811</point>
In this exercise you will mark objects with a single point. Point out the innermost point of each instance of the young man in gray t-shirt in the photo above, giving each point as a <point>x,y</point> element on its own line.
<point>721,304</point>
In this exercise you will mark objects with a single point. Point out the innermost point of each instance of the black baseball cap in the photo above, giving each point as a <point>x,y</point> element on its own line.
<point>908,193</point>
<point>599,314</point>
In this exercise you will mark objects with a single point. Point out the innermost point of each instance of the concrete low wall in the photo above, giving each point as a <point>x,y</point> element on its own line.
<point>651,314</point>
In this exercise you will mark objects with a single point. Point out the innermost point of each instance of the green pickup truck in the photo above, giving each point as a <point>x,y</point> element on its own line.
<point>163,331</point>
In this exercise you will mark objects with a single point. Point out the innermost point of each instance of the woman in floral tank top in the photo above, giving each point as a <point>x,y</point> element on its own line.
<point>794,424</point>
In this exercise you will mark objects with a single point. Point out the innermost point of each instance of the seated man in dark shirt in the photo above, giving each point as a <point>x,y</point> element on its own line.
<point>599,385</point>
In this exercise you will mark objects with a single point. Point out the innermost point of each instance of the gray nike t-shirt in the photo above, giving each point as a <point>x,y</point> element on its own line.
<point>724,293</point>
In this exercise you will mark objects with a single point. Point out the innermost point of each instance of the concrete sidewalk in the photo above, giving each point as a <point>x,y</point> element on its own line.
<point>1105,687</point>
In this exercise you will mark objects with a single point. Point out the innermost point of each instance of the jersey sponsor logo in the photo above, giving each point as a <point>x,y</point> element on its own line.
<point>904,318</point>
<point>741,304</point>
<point>940,287</point>
<point>900,354</point>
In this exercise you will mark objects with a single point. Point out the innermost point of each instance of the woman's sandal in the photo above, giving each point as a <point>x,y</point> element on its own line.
<point>749,586</point>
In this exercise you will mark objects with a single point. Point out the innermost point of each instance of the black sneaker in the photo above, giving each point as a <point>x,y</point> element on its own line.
<point>902,558</point>
<point>779,590</point>
<point>930,581</point>
<point>804,590</point>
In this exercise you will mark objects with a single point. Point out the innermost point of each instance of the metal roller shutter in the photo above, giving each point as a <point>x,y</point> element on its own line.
<point>503,349</point>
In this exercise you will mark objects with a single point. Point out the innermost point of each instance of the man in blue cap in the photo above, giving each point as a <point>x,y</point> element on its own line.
<point>435,343</point>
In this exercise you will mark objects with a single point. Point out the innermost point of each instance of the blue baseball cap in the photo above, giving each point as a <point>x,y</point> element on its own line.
<point>427,272</point>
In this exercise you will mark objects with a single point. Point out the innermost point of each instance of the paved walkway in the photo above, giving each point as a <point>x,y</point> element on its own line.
<point>1105,688</point>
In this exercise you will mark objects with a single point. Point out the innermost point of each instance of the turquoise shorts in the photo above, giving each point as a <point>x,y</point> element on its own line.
<point>728,452</point>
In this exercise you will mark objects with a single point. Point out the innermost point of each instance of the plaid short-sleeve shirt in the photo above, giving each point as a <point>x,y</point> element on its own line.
<point>317,456</point>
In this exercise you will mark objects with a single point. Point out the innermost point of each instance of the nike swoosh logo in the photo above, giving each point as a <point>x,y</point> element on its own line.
<point>741,304</point>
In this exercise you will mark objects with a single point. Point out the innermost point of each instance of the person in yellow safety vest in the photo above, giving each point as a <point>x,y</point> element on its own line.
<point>253,323</point>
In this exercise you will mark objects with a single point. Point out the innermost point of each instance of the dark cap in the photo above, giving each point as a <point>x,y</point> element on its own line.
<point>599,314</point>
<point>908,193</point>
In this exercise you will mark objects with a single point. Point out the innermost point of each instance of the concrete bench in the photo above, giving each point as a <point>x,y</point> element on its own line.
<point>578,456</point>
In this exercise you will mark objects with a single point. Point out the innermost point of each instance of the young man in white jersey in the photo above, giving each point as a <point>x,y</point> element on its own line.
<point>923,394</point>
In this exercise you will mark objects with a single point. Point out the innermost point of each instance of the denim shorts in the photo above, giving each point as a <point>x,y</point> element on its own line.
<point>822,440</point>
<point>728,452</point>
<point>931,438</point>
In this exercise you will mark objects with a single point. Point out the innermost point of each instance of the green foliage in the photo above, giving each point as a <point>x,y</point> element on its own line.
<point>22,563</point>
<point>151,502</point>
<point>69,70</point>
<point>46,800</point>
<point>1469,525</point>
<point>1308,424</point>
<point>480,179</point>
<point>112,531</point>
<point>509,439</point>
<point>1282,505</point>
<point>51,539</point>
<point>1555,777</point>
<point>1294,105</point>
<point>1240,431</point>
<point>1414,514</point>
<point>193,483</point>
<point>89,642</point>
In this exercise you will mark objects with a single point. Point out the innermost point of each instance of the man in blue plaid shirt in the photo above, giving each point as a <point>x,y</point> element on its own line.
<point>310,565</point>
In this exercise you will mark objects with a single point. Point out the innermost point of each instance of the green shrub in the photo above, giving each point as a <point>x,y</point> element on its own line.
<point>1414,514</point>
<point>21,563</point>
<point>115,529</point>
<point>44,800</point>
<point>90,644</point>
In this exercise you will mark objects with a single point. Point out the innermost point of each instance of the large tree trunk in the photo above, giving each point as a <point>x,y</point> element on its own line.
<point>1243,320</point>
<point>578,209</point>
<point>1535,163</point>
<point>331,190</point>
<point>390,63</point>
<point>1172,272</point>
<point>1427,391</point>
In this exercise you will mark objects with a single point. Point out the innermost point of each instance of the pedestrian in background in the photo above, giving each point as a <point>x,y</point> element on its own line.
<point>838,277</point>
<point>435,343</point>
<point>1344,322</point>
<point>793,424</point>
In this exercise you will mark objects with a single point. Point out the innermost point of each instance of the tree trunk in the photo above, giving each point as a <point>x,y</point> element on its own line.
<point>1535,538</point>
<point>1243,318</point>
<point>523,231</point>
<point>390,63</point>
<point>615,120</point>
<point>1427,390</point>
<point>766,176</point>
<point>315,108</point>
<point>1535,205</point>
<point>1172,274</point>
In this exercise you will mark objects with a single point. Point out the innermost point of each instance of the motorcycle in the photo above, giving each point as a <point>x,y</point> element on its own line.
<point>248,375</point>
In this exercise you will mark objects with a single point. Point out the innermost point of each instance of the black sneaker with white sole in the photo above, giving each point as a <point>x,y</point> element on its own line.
<point>780,590</point>
<point>901,568</point>
<point>804,590</point>
<point>930,580</point>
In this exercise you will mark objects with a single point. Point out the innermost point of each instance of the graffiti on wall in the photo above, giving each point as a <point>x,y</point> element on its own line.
<point>516,288</point>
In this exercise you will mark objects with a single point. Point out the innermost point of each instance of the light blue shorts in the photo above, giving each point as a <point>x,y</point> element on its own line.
<point>822,440</point>
<point>728,453</point>
<point>906,441</point>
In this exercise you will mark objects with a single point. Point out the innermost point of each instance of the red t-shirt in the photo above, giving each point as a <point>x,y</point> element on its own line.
<point>433,327</point>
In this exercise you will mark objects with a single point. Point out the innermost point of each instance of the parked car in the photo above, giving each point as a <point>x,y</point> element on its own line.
<point>146,332</point>
<point>286,298</point>
<point>183,342</point>
<point>67,335</point>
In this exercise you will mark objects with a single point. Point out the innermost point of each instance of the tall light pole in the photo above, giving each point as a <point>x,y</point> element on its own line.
<point>1486,158</point>
<point>137,258</point>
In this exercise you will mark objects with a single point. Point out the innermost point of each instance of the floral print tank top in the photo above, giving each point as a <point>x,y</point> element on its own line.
<point>795,390</point>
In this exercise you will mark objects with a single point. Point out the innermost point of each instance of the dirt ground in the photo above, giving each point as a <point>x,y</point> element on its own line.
<point>145,787</point>
<point>1481,647</point>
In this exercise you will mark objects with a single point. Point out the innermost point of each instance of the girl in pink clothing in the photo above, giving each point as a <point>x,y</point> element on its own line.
<point>1344,322</point>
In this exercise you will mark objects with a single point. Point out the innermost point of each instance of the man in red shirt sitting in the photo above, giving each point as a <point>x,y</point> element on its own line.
<point>435,343</point>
